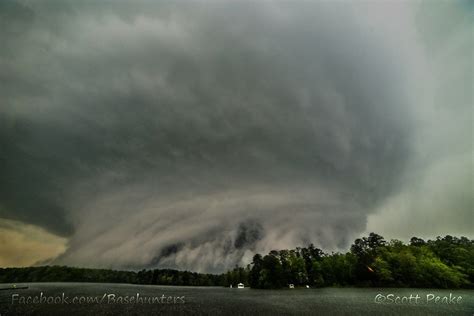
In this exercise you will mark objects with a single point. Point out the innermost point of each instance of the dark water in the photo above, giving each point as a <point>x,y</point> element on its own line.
<point>170,300</point>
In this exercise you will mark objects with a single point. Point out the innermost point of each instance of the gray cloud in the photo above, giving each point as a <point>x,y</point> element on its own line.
<point>437,196</point>
<point>192,135</point>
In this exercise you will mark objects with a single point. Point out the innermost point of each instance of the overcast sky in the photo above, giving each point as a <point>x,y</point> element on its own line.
<point>194,134</point>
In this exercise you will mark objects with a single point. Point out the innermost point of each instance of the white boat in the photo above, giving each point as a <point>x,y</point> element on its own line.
<point>240,286</point>
<point>291,286</point>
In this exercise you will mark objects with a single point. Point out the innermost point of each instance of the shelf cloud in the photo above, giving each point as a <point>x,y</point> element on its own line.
<point>192,135</point>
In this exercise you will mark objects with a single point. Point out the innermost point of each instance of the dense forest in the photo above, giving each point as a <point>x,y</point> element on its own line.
<point>441,263</point>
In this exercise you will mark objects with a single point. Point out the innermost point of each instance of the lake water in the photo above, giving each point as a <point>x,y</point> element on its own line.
<point>114,299</point>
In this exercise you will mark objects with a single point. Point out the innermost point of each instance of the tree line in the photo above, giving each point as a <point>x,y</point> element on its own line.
<point>446,262</point>
<point>71,274</point>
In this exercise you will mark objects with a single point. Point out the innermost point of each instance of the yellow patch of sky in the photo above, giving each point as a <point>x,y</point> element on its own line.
<point>25,244</point>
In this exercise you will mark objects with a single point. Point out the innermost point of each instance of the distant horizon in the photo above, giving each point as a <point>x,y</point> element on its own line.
<point>136,269</point>
<point>443,263</point>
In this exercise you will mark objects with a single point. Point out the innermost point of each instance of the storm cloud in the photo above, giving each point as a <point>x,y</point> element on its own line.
<point>192,135</point>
